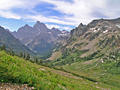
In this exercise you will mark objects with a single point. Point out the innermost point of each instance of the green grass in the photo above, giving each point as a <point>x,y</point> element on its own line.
<point>17,70</point>
<point>105,72</point>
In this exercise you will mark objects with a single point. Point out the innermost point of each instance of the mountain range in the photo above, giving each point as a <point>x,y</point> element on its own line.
<point>99,38</point>
<point>96,37</point>
<point>39,38</point>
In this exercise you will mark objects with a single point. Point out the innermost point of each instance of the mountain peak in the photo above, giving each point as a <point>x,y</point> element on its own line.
<point>40,26</point>
<point>1,27</point>
<point>54,28</point>
<point>38,22</point>
<point>80,24</point>
<point>26,25</point>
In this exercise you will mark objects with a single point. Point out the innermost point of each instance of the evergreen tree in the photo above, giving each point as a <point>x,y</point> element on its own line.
<point>3,47</point>
<point>28,57</point>
<point>41,61</point>
<point>21,54</point>
<point>36,60</point>
<point>24,56</point>
<point>12,53</point>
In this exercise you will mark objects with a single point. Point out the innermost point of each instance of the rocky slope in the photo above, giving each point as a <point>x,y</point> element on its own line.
<point>7,39</point>
<point>99,35</point>
<point>97,39</point>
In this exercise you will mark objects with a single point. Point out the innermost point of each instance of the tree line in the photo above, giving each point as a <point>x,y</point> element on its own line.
<point>23,55</point>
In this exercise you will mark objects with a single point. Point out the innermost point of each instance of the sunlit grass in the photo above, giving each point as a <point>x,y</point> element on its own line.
<point>18,70</point>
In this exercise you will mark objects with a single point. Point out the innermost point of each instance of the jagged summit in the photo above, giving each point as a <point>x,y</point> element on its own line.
<point>53,28</point>
<point>26,25</point>
<point>38,38</point>
<point>80,25</point>
<point>40,27</point>
<point>38,22</point>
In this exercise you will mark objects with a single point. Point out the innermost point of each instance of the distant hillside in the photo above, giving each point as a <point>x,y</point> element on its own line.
<point>7,39</point>
<point>39,38</point>
<point>20,71</point>
<point>105,70</point>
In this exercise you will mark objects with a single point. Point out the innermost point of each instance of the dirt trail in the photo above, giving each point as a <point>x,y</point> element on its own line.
<point>66,74</point>
<point>8,86</point>
<point>60,72</point>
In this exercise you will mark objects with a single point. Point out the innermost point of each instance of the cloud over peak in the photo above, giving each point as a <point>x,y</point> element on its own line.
<point>64,12</point>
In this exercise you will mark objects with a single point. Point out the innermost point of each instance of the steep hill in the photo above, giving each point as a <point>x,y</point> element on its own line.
<point>20,71</point>
<point>97,39</point>
<point>7,39</point>
<point>97,36</point>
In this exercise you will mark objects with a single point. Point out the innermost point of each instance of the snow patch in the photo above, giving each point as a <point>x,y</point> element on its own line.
<point>92,29</point>
<point>99,29</point>
<point>118,25</point>
<point>105,31</point>
<point>95,31</point>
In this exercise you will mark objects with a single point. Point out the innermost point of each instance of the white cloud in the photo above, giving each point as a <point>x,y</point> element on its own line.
<point>73,12</point>
<point>6,7</point>
<point>59,27</point>
<point>52,25</point>
<point>66,28</point>
<point>8,14</point>
<point>25,4</point>
<point>79,9</point>
<point>47,19</point>
<point>8,4</point>
<point>82,10</point>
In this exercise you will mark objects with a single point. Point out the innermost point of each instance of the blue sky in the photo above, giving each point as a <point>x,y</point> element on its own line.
<point>62,14</point>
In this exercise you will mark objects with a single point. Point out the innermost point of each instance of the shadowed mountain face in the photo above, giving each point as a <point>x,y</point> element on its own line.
<point>38,38</point>
<point>7,39</point>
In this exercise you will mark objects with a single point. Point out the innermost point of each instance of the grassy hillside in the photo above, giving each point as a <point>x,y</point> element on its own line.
<point>17,70</point>
<point>101,70</point>
<point>93,52</point>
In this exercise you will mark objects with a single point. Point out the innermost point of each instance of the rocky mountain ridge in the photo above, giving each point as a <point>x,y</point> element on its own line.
<point>98,39</point>
<point>39,38</point>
